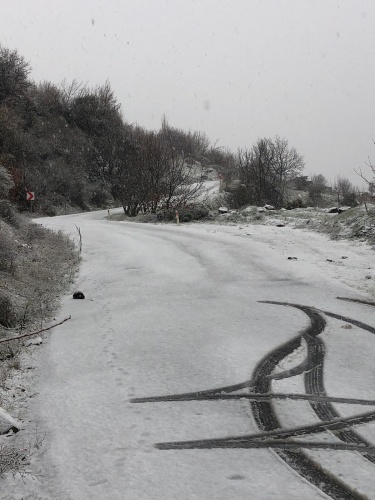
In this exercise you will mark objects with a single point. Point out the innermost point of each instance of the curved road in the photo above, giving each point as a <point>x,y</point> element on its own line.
<point>171,310</point>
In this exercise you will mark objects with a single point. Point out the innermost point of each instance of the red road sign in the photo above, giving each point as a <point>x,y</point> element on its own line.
<point>30,196</point>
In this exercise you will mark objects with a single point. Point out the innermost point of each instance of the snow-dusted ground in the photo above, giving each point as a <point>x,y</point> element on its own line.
<point>175,309</point>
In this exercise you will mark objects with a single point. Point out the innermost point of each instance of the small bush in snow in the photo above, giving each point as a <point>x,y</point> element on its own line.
<point>13,306</point>
<point>7,246</point>
<point>296,203</point>
<point>186,214</point>
<point>9,214</point>
<point>147,217</point>
<point>11,459</point>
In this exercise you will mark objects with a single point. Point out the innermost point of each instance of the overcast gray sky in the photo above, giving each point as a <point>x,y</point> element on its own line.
<point>237,70</point>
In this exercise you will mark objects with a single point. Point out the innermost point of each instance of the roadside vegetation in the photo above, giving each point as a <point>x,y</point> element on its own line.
<point>71,146</point>
<point>37,266</point>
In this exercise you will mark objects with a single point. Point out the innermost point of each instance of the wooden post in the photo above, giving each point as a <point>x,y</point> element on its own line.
<point>177,217</point>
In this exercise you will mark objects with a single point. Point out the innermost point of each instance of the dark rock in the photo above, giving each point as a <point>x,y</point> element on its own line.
<point>332,210</point>
<point>7,423</point>
<point>343,209</point>
<point>78,295</point>
<point>344,257</point>
<point>292,258</point>
<point>329,260</point>
<point>34,341</point>
<point>280,225</point>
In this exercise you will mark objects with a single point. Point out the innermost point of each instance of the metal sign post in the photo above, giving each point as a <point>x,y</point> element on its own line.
<point>30,196</point>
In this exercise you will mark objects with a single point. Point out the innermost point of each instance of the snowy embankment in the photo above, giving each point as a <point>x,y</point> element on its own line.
<point>176,309</point>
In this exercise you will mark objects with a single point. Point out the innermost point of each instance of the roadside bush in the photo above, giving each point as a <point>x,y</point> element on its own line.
<point>100,196</point>
<point>37,265</point>
<point>7,247</point>
<point>11,309</point>
<point>51,211</point>
<point>35,232</point>
<point>350,200</point>
<point>239,196</point>
<point>193,213</point>
<point>9,353</point>
<point>79,194</point>
<point>12,459</point>
<point>296,203</point>
<point>9,214</point>
<point>186,214</point>
<point>148,217</point>
<point>166,215</point>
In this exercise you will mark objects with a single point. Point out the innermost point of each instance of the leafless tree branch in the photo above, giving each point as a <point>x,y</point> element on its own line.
<point>36,332</point>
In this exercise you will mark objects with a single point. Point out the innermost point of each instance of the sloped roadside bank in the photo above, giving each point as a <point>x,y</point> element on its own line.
<point>356,223</point>
<point>37,267</point>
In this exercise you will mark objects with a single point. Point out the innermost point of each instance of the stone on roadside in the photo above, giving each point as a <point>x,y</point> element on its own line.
<point>223,210</point>
<point>7,422</point>
<point>332,210</point>
<point>343,209</point>
<point>35,341</point>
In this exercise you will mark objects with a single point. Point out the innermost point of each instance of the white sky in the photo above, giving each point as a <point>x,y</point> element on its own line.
<point>235,69</point>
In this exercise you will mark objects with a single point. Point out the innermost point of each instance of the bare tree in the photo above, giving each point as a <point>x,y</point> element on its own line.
<point>5,183</point>
<point>14,72</point>
<point>155,173</point>
<point>189,144</point>
<point>369,179</point>
<point>345,191</point>
<point>224,162</point>
<point>317,185</point>
<point>265,169</point>
<point>183,181</point>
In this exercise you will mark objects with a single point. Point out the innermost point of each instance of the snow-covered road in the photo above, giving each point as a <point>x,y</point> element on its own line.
<point>175,309</point>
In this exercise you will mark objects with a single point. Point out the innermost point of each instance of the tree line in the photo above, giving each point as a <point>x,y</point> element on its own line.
<point>71,145</point>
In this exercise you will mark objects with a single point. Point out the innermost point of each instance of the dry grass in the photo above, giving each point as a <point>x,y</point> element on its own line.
<point>45,266</point>
<point>12,460</point>
<point>37,266</point>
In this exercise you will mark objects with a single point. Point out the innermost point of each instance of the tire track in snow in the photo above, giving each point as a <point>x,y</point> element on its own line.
<point>314,383</point>
<point>307,430</point>
<point>222,393</point>
<point>358,301</point>
<point>267,420</point>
